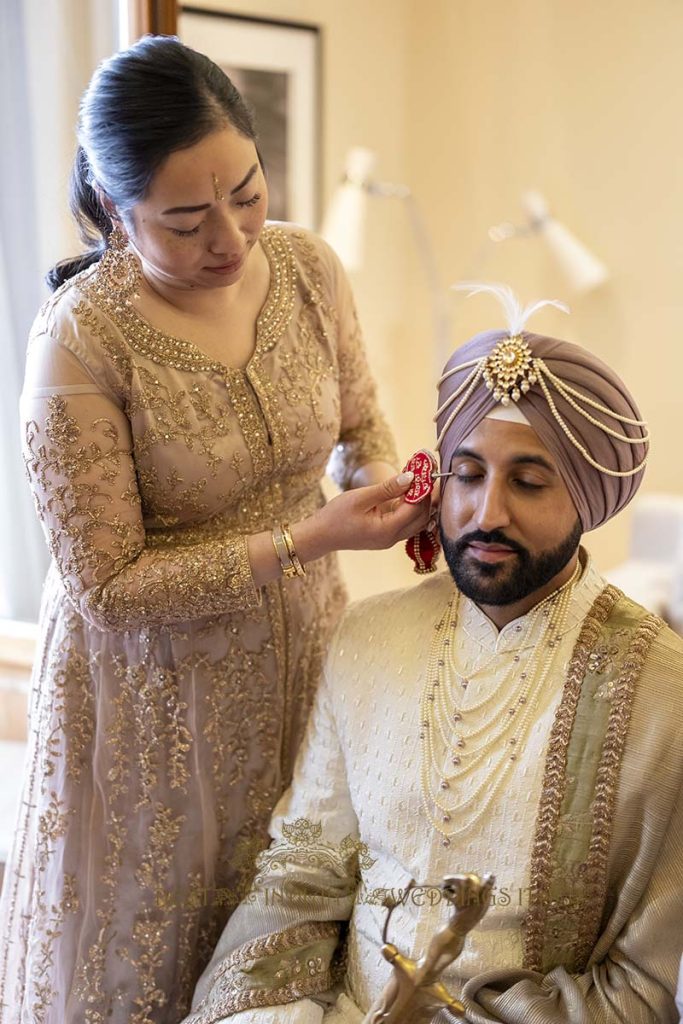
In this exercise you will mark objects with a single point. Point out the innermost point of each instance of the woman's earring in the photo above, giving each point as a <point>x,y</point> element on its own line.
<point>118,271</point>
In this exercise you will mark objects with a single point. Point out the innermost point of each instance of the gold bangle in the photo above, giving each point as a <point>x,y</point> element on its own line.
<point>291,550</point>
<point>289,570</point>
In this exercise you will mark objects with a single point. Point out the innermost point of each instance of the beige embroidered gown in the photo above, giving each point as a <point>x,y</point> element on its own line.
<point>169,694</point>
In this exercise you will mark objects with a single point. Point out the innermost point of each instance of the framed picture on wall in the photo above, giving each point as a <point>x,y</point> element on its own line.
<point>275,65</point>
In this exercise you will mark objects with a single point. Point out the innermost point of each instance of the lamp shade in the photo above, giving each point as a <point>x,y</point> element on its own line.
<point>582,270</point>
<point>344,223</point>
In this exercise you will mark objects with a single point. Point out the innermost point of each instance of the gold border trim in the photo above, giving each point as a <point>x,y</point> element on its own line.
<point>279,942</point>
<point>255,1000</point>
<point>555,780</point>
<point>183,354</point>
<point>607,780</point>
<point>214,1007</point>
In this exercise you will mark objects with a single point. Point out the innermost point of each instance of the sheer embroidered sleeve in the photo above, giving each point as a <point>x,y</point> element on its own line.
<point>365,435</point>
<point>79,462</point>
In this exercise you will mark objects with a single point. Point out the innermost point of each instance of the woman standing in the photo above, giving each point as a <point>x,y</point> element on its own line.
<point>185,388</point>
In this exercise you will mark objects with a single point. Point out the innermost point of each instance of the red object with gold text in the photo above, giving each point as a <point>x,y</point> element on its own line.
<point>423,465</point>
<point>423,549</point>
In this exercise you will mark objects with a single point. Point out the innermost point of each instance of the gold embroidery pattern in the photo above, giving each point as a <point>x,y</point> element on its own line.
<point>203,582</point>
<point>186,941</point>
<point>11,889</point>
<point>189,584</point>
<point>165,688</point>
<point>251,421</point>
<point>371,440</point>
<point>307,974</point>
<point>43,991</point>
<point>297,960</point>
<point>52,826</point>
<point>170,495</point>
<point>67,473</point>
<point>303,844</point>
<point>197,416</point>
<point>277,312</point>
<point>182,354</point>
<point>33,784</point>
<point>73,704</point>
<point>602,659</point>
<point>149,946</point>
<point>302,832</point>
<point>90,976</point>
<point>554,780</point>
<point>115,350</point>
<point>595,874</point>
<point>162,735</point>
<point>233,699</point>
<point>313,360</point>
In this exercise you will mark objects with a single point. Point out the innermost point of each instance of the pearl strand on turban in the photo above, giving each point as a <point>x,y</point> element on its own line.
<point>580,409</point>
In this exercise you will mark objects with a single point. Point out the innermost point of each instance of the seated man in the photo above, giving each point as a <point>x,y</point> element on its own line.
<point>517,716</point>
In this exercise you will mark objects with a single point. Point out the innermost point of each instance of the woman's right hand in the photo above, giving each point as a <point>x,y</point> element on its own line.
<point>365,518</point>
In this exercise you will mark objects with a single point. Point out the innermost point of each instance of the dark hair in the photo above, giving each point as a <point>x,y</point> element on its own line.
<point>142,104</point>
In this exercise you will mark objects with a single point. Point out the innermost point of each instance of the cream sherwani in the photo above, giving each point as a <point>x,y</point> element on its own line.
<point>356,805</point>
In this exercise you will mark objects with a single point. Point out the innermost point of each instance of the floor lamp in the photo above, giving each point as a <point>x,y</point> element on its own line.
<point>344,228</point>
<point>580,268</point>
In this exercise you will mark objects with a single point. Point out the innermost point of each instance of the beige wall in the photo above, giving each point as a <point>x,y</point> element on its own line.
<point>470,102</point>
<point>581,100</point>
<point>68,39</point>
<point>365,55</point>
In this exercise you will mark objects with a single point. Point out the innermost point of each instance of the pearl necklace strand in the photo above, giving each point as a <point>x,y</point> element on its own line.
<point>443,732</point>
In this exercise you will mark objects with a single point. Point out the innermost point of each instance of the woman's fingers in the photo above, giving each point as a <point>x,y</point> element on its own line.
<point>374,517</point>
<point>386,491</point>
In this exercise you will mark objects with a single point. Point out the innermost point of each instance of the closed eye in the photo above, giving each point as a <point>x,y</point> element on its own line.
<point>186,234</point>
<point>472,478</point>
<point>251,202</point>
<point>528,486</point>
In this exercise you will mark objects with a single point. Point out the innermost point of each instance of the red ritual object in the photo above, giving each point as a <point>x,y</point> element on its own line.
<point>423,465</point>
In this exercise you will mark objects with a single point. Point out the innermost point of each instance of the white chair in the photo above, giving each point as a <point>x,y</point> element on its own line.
<point>653,571</point>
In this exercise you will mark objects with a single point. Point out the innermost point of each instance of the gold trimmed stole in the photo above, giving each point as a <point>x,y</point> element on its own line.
<point>574,824</point>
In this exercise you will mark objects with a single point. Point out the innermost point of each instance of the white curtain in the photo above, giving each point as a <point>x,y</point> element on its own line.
<point>48,50</point>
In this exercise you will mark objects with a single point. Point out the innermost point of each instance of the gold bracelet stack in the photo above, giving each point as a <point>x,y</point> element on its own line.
<point>286,552</point>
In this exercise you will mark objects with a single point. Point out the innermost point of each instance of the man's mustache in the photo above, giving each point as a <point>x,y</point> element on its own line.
<point>489,537</point>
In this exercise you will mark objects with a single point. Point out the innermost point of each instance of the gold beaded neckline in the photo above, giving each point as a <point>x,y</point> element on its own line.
<point>184,354</point>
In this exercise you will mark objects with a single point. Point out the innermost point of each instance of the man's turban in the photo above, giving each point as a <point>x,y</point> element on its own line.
<point>578,407</point>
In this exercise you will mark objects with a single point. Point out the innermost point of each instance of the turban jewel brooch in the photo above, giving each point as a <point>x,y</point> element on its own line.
<point>511,370</point>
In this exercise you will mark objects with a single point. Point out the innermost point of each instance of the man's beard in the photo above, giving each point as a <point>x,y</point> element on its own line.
<point>479,580</point>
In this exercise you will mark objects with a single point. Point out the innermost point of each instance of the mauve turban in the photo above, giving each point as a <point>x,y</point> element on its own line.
<point>596,495</point>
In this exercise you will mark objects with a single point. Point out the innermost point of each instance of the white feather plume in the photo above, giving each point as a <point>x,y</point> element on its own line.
<point>516,314</point>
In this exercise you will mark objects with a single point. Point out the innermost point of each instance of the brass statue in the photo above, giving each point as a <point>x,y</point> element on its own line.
<point>414,994</point>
